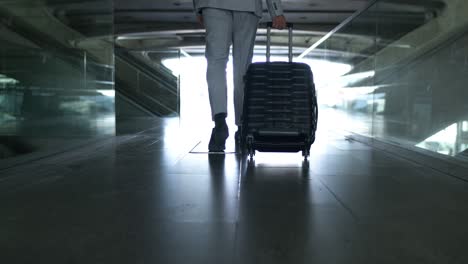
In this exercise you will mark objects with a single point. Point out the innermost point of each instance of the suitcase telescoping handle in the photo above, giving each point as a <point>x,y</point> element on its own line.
<point>290,41</point>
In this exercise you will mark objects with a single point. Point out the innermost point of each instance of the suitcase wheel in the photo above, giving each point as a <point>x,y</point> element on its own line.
<point>306,150</point>
<point>250,147</point>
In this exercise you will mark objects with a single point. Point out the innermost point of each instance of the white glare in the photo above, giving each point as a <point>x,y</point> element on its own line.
<point>442,142</point>
<point>324,71</point>
<point>7,80</point>
<point>108,93</point>
<point>194,91</point>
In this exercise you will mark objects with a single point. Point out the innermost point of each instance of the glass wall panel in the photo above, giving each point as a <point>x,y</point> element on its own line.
<point>348,89</point>
<point>147,90</point>
<point>422,78</point>
<point>56,74</point>
<point>408,73</point>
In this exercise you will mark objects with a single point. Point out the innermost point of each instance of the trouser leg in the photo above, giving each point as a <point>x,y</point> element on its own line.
<point>244,32</point>
<point>218,24</point>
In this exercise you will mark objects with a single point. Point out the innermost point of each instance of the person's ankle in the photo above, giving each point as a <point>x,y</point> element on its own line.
<point>220,120</point>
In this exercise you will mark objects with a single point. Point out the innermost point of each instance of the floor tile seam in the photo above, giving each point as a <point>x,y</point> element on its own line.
<point>196,145</point>
<point>140,144</point>
<point>340,174</point>
<point>47,156</point>
<point>406,188</point>
<point>382,150</point>
<point>347,208</point>
<point>398,159</point>
<point>101,143</point>
<point>170,221</point>
<point>406,159</point>
<point>332,205</point>
<point>181,156</point>
<point>182,153</point>
<point>40,177</point>
<point>361,175</point>
<point>103,146</point>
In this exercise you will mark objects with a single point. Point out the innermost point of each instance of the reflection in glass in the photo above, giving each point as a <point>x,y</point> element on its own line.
<point>5,80</point>
<point>56,77</point>
<point>143,80</point>
<point>407,77</point>
<point>449,141</point>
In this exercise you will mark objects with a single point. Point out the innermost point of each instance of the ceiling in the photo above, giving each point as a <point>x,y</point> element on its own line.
<point>98,17</point>
<point>311,12</point>
<point>155,15</point>
<point>154,24</point>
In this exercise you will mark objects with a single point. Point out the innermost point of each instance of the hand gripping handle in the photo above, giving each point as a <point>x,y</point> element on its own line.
<point>290,27</point>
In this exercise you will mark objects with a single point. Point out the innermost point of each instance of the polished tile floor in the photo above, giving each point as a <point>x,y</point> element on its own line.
<point>146,198</point>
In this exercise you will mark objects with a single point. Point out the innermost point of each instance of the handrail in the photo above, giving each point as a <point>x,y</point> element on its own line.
<point>338,28</point>
<point>151,76</point>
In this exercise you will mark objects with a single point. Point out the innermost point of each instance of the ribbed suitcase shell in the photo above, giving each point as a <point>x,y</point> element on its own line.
<point>280,107</point>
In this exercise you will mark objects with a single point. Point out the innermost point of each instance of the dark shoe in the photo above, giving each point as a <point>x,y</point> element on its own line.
<point>218,139</point>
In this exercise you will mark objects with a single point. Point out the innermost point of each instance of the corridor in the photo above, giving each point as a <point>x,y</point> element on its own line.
<point>105,121</point>
<point>143,197</point>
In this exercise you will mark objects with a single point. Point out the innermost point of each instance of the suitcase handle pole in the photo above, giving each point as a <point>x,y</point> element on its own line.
<point>290,41</point>
<point>268,47</point>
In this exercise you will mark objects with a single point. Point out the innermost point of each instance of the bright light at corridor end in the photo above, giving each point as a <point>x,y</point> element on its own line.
<point>324,71</point>
<point>192,73</point>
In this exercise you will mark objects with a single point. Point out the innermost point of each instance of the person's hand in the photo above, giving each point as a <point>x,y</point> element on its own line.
<point>279,22</point>
<point>200,20</point>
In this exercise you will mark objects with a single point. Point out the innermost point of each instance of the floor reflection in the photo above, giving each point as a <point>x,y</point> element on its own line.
<point>151,201</point>
<point>274,212</point>
<point>218,186</point>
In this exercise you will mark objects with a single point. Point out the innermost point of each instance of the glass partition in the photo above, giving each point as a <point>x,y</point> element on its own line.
<point>56,77</point>
<point>408,74</point>
<point>147,90</point>
<point>143,78</point>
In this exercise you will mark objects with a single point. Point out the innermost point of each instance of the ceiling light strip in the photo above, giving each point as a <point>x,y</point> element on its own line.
<point>338,28</point>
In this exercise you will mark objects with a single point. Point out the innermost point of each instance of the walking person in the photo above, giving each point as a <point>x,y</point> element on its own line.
<point>230,22</point>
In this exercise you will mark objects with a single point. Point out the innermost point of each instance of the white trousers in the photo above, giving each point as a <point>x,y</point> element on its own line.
<point>223,28</point>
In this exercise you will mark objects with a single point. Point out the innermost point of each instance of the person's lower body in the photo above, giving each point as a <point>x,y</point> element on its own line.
<point>223,29</point>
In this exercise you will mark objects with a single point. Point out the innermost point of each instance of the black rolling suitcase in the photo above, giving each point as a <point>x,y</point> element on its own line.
<point>280,106</point>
